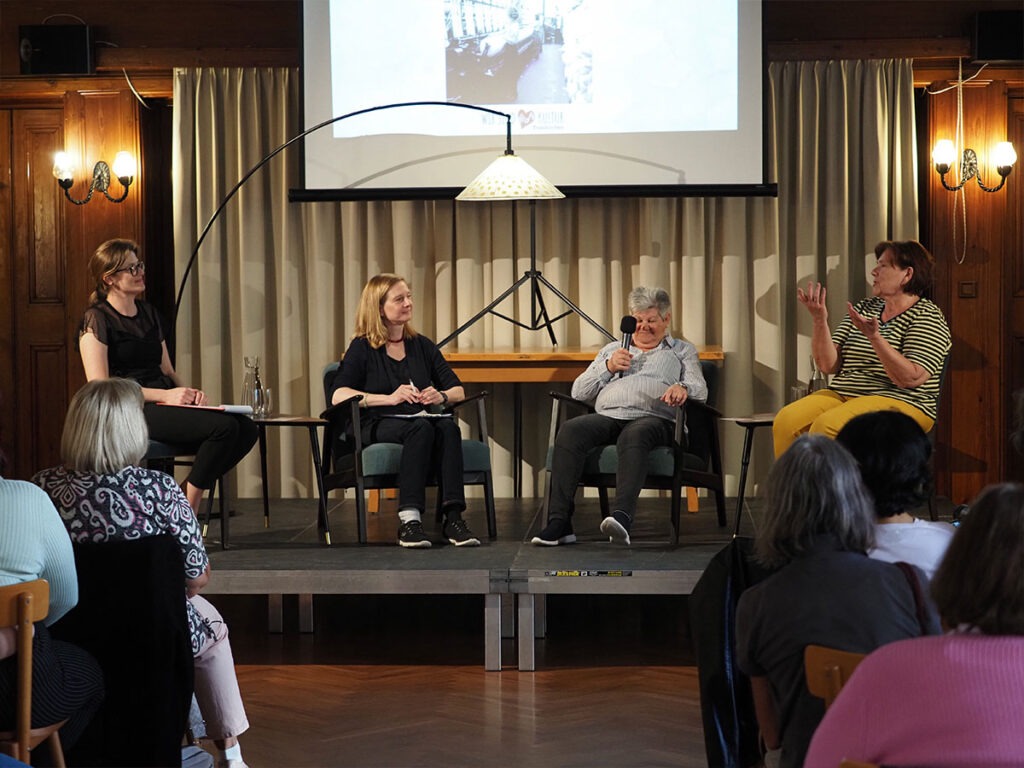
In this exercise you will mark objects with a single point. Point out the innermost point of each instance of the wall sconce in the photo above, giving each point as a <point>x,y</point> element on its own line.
<point>944,155</point>
<point>124,168</point>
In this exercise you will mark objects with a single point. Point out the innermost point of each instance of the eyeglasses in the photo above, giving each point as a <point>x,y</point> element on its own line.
<point>134,269</point>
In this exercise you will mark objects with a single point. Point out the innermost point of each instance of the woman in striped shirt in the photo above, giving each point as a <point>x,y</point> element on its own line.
<point>886,354</point>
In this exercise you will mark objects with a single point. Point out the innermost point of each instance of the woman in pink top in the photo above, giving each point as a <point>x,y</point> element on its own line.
<point>953,700</point>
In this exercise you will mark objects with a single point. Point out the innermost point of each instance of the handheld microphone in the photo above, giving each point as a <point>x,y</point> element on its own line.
<point>628,328</point>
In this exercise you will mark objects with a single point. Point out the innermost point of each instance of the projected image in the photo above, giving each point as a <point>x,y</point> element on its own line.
<point>505,52</point>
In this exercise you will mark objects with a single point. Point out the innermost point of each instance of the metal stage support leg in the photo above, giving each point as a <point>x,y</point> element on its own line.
<point>275,613</point>
<point>527,660</point>
<point>492,632</point>
<point>539,318</point>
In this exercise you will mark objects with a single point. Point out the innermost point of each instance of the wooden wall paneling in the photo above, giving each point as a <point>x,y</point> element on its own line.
<point>98,125</point>
<point>1015,285</point>
<point>977,427</point>
<point>38,289</point>
<point>7,425</point>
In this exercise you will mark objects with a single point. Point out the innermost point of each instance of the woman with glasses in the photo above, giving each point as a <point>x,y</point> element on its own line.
<point>886,354</point>
<point>123,336</point>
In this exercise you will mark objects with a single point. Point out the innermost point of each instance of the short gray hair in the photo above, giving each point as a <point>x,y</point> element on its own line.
<point>814,488</point>
<point>641,298</point>
<point>105,429</point>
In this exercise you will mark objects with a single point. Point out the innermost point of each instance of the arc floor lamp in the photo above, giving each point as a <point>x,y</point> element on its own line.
<point>508,177</point>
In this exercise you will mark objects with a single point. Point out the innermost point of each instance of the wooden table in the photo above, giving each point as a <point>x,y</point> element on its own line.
<point>525,365</point>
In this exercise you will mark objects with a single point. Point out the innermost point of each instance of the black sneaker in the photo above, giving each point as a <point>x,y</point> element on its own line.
<point>558,531</point>
<point>458,533</point>
<point>410,534</point>
<point>616,527</point>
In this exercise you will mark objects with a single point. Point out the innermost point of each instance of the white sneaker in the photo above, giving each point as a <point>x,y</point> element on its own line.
<point>614,528</point>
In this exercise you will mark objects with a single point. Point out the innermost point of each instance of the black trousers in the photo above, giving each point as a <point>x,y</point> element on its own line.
<point>578,436</point>
<point>67,684</point>
<point>224,438</point>
<point>431,451</point>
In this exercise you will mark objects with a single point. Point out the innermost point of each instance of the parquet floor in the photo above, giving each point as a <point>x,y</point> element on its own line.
<point>315,715</point>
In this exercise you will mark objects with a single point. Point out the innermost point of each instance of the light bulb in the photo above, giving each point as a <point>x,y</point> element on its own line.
<point>63,167</point>
<point>944,153</point>
<point>124,165</point>
<point>1003,155</point>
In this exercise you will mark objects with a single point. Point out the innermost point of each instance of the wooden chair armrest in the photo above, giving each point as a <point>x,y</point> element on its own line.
<point>481,412</point>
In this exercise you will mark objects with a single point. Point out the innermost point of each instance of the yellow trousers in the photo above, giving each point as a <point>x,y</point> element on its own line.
<point>825,412</point>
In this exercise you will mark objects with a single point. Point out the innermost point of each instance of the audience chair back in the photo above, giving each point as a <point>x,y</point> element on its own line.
<point>138,633</point>
<point>21,605</point>
<point>693,460</point>
<point>828,669</point>
<point>348,463</point>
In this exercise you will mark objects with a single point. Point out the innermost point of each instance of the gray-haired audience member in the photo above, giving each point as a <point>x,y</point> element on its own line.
<point>634,392</point>
<point>817,529</point>
<point>103,495</point>
<point>893,454</point>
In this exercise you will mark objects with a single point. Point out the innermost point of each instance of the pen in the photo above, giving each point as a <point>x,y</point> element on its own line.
<point>414,389</point>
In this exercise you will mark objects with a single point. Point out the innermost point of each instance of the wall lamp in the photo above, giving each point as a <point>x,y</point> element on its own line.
<point>944,155</point>
<point>124,169</point>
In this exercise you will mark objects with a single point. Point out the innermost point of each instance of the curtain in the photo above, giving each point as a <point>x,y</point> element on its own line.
<point>281,280</point>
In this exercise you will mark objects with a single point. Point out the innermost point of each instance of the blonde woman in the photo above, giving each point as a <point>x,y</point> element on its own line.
<point>399,372</point>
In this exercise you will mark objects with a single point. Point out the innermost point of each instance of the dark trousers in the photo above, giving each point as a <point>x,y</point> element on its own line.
<point>431,451</point>
<point>578,436</point>
<point>67,684</point>
<point>223,438</point>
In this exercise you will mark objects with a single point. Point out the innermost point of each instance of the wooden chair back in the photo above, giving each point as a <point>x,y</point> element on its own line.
<point>828,669</point>
<point>21,605</point>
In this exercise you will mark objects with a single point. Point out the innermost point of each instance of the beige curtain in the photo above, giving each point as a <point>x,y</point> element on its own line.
<point>281,279</point>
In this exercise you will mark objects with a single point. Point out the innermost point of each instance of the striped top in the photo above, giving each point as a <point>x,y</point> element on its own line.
<point>637,391</point>
<point>919,333</point>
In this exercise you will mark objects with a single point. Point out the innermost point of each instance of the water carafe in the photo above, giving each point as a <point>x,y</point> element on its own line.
<point>252,386</point>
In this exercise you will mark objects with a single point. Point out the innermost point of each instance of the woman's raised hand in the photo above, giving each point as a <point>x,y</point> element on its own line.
<point>814,300</point>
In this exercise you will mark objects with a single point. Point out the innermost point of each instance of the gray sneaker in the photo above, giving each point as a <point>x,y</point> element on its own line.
<point>458,533</point>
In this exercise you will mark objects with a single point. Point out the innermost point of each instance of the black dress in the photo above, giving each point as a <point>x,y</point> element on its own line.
<point>134,351</point>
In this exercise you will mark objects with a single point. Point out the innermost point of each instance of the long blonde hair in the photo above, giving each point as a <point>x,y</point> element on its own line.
<point>105,261</point>
<point>369,315</point>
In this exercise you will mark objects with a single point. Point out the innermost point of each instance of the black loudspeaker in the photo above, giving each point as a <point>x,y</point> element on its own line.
<point>998,36</point>
<point>53,49</point>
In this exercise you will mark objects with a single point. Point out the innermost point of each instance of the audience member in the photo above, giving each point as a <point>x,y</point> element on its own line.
<point>103,495</point>
<point>886,355</point>
<point>634,391</point>
<point>817,530</point>
<point>399,373</point>
<point>893,455</point>
<point>122,335</point>
<point>952,701</point>
<point>67,683</point>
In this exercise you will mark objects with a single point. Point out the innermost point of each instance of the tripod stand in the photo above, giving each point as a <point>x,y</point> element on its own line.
<point>539,317</point>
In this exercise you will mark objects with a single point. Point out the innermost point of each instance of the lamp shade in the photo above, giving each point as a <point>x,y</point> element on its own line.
<point>510,178</point>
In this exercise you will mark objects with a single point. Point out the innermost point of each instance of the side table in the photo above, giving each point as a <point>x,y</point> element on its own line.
<point>750,424</point>
<point>311,423</point>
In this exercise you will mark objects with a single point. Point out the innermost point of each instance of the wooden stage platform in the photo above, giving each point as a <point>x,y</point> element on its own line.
<point>511,575</point>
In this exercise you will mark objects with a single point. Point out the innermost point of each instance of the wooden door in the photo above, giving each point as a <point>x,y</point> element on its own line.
<point>34,344</point>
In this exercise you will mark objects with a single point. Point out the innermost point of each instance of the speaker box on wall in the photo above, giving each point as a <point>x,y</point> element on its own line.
<point>999,36</point>
<point>54,49</point>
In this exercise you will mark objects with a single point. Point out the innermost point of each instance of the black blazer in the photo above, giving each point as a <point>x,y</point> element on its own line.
<point>370,370</point>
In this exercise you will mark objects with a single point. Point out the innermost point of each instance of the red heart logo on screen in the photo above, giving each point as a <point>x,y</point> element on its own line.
<point>525,118</point>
